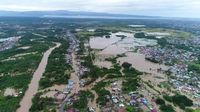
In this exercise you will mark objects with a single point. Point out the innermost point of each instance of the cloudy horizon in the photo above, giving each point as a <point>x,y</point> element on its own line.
<point>165,8</point>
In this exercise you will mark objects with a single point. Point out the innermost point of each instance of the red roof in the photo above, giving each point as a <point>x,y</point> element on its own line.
<point>121,110</point>
<point>70,110</point>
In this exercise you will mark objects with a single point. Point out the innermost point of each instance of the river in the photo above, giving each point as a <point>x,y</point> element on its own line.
<point>26,101</point>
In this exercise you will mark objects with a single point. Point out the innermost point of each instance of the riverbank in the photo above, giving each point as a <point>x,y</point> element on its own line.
<point>26,101</point>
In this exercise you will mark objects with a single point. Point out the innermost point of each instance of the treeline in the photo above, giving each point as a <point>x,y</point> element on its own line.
<point>17,73</point>
<point>102,93</point>
<point>163,106</point>
<point>194,67</point>
<point>9,104</point>
<point>83,98</point>
<point>161,41</point>
<point>102,32</point>
<point>181,100</point>
<point>42,104</point>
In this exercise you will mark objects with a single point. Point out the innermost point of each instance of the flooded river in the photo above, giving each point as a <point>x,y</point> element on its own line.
<point>26,101</point>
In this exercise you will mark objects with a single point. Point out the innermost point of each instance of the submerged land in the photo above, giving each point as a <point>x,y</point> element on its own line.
<point>95,65</point>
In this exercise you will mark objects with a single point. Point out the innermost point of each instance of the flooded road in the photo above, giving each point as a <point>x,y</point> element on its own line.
<point>74,76</point>
<point>26,101</point>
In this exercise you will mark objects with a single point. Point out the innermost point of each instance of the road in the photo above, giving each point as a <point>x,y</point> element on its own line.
<point>26,101</point>
<point>74,76</point>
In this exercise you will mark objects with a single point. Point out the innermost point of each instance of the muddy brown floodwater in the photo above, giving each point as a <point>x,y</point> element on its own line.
<point>26,101</point>
<point>139,62</point>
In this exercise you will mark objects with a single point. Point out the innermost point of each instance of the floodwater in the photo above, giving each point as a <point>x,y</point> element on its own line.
<point>103,42</point>
<point>74,75</point>
<point>137,26</point>
<point>26,101</point>
<point>117,45</point>
<point>103,64</point>
<point>139,62</point>
<point>113,50</point>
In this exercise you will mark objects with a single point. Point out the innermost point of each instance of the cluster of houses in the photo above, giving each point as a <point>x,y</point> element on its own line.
<point>116,93</point>
<point>81,69</point>
<point>119,100</point>
<point>136,99</point>
<point>8,43</point>
<point>167,55</point>
<point>73,44</point>
<point>185,81</point>
<point>182,50</point>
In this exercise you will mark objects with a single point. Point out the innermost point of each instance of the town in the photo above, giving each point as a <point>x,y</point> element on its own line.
<point>99,67</point>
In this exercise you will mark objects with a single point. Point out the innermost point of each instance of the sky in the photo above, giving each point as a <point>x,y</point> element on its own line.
<point>166,8</point>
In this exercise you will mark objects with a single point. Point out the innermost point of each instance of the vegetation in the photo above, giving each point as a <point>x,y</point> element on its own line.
<point>161,41</point>
<point>102,32</point>
<point>57,70</point>
<point>194,67</point>
<point>41,103</point>
<point>175,33</point>
<point>130,109</point>
<point>17,73</point>
<point>81,103</point>
<point>180,100</point>
<point>18,81</point>
<point>102,93</point>
<point>168,98</point>
<point>9,103</point>
<point>160,101</point>
<point>130,85</point>
<point>167,108</point>
<point>130,71</point>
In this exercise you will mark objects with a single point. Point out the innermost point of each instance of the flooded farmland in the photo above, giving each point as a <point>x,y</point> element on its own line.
<point>126,43</point>
<point>138,61</point>
<point>119,43</point>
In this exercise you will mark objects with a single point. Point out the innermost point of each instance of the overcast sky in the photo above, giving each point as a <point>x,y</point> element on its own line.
<point>168,8</point>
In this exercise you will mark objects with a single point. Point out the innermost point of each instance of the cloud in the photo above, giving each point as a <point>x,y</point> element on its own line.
<point>181,8</point>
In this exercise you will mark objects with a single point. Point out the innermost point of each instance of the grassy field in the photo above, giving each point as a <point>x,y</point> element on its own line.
<point>173,33</point>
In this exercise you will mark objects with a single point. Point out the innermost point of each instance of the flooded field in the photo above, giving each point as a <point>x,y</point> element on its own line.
<point>119,43</point>
<point>138,61</point>
<point>103,64</point>
<point>125,43</point>
<point>103,42</point>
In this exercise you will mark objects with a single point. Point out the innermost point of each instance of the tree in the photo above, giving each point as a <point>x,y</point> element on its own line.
<point>126,65</point>
<point>167,108</point>
<point>160,101</point>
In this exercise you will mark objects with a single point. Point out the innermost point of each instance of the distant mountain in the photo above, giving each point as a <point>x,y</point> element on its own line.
<point>69,14</point>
